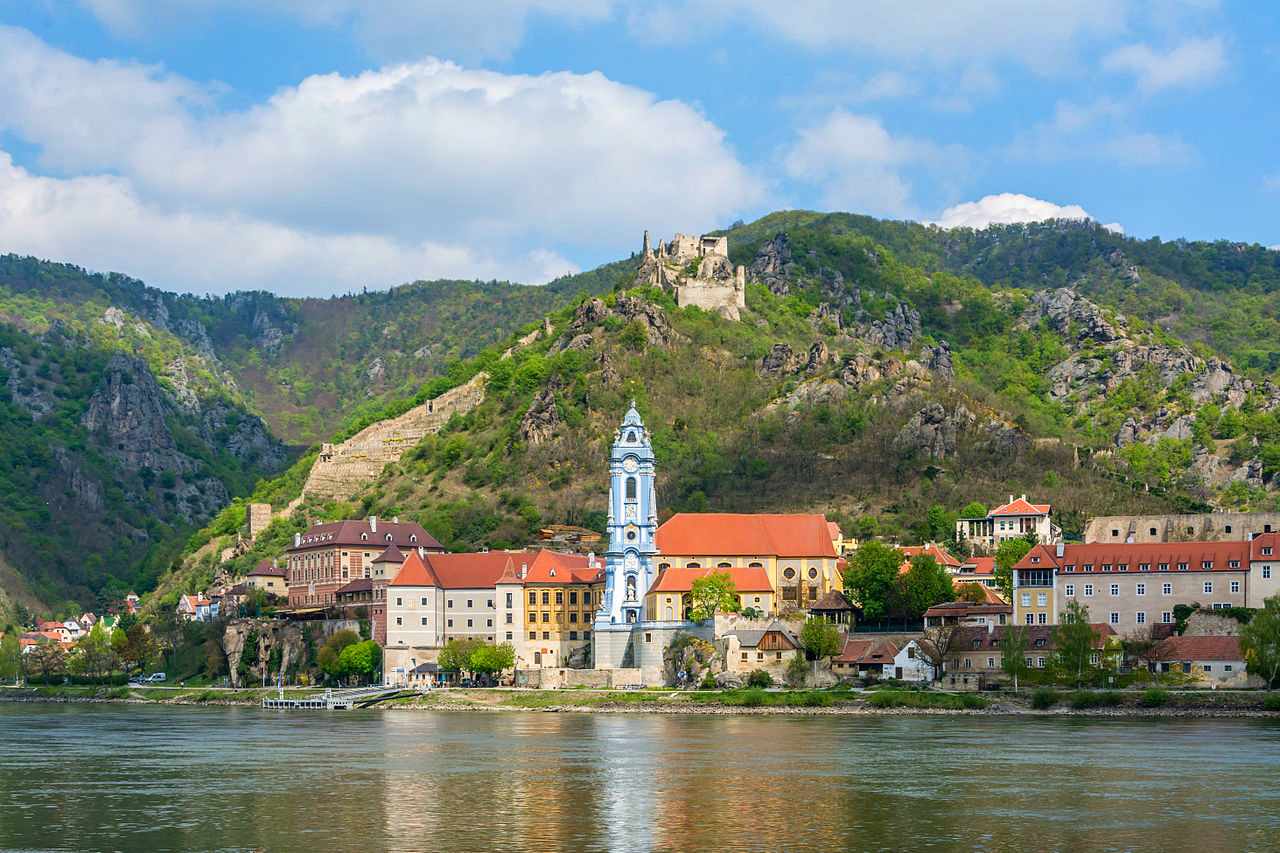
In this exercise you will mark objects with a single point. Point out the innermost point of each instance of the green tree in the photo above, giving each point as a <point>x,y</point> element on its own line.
<point>1009,554</point>
<point>715,593</point>
<point>1013,653</point>
<point>329,657</point>
<point>974,510</point>
<point>634,336</point>
<point>93,654</point>
<point>493,660</point>
<point>47,659</point>
<point>456,654</point>
<point>10,656</point>
<point>971,592</point>
<point>797,669</point>
<point>925,584</point>
<point>942,524</point>
<point>1260,642</point>
<point>872,579</point>
<point>359,659</point>
<point>1075,640</point>
<point>820,638</point>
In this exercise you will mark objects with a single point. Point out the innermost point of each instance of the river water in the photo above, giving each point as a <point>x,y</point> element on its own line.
<point>127,777</point>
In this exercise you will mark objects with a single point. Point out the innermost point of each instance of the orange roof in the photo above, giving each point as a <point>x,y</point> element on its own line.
<point>866,651</point>
<point>415,572</point>
<point>1268,541</point>
<point>991,595</point>
<point>1021,506</point>
<point>698,534</point>
<point>1219,555</point>
<point>978,566</point>
<point>681,580</point>
<point>1201,648</point>
<point>559,567</point>
<point>930,550</point>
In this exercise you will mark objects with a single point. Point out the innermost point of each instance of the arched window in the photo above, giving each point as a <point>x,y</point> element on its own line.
<point>724,565</point>
<point>663,566</point>
<point>413,537</point>
<point>364,537</point>
<point>693,566</point>
<point>631,488</point>
<point>631,435</point>
<point>755,565</point>
<point>388,537</point>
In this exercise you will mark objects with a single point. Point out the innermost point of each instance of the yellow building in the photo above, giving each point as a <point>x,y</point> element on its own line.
<point>668,598</point>
<point>797,552</point>
<point>560,594</point>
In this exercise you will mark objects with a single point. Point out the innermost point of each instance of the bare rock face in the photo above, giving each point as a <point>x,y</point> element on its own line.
<point>860,371</point>
<point>589,314</point>
<point>931,432</point>
<point>694,659</point>
<point>607,374</point>
<point>633,309</point>
<point>1000,437</point>
<point>579,342</point>
<point>899,329</point>
<point>773,261</point>
<point>540,422</point>
<point>819,357</point>
<point>778,361</point>
<point>811,392</point>
<point>33,400</point>
<point>130,409</point>
<point>1128,433</point>
<point>245,435</point>
<point>86,489</point>
<point>939,360</point>
<point>1070,313</point>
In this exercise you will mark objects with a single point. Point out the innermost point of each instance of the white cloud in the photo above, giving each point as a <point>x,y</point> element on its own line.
<point>390,30</point>
<point>1114,227</point>
<point>1103,131</point>
<point>1271,182</point>
<point>1193,62</point>
<point>411,159</point>
<point>857,165</point>
<point>1009,208</point>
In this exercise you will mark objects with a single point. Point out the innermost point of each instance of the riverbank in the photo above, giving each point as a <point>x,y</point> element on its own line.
<point>730,702</point>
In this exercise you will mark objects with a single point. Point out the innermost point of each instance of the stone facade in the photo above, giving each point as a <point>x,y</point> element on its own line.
<point>259,516</point>
<point>698,271</point>
<point>1201,527</point>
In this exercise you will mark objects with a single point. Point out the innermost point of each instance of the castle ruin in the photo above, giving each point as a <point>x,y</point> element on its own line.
<point>698,271</point>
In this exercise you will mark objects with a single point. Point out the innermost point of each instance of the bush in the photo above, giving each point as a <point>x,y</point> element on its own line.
<point>754,698</point>
<point>885,699</point>
<point>811,699</point>
<point>1154,698</point>
<point>1095,699</point>
<point>972,702</point>
<point>1271,702</point>
<point>759,678</point>
<point>1043,697</point>
<point>708,682</point>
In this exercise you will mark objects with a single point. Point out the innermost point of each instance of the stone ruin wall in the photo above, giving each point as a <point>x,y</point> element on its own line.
<point>1209,526</point>
<point>717,285</point>
<point>344,469</point>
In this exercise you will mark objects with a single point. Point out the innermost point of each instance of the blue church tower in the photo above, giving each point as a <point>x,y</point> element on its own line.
<point>633,523</point>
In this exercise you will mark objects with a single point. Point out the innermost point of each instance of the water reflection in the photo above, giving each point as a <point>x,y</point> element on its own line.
<point>139,778</point>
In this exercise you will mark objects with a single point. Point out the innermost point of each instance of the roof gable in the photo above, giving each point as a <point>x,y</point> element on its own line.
<point>415,572</point>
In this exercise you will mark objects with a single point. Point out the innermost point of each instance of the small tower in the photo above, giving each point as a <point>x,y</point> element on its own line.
<point>633,523</point>
<point>648,252</point>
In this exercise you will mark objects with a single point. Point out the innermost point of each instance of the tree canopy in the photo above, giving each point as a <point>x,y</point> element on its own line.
<point>1260,642</point>
<point>820,638</point>
<point>872,579</point>
<point>715,593</point>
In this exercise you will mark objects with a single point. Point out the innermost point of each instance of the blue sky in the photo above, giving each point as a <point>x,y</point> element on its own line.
<point>320,146</point>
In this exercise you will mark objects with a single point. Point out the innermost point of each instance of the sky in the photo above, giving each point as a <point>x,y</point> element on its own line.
<point>313,147</point>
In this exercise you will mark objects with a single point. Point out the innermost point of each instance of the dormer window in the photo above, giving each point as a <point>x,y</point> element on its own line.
<point>413,537</point>
<point>364,537</point>
<point>1266,552</point>
<point>388,537</point>
<point>1040,642</point>
<point>977,643</point>
<point>1035,559</point>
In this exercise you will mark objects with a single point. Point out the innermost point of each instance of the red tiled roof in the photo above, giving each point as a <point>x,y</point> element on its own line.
<point>1021,506</point>
<point>990,594</point>
<point>965,608</point>
<point>681,580</point>
<point>415,572</point>
<point>978,566</point>
<point>833,600</point>
<point>931,550</point>
<point>1201,648</point>
<point>391,555</point>
<point>1097,554</point>
<point>265,569</point>
<point>357,585</point>
<point>567,568</point>
<point>866,651</point>
<point>404,534</point>
<point>1270,541</point>
<point>698,534</point>
<point>472,571</point>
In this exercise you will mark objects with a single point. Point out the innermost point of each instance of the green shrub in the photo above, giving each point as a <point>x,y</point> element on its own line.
<point>1043,697</point>
<point>1095,699</point>
<point>811,699</point>
<point>971,701</point>
<point>708,682</point>
<point>1154,698</point>
<point>754,698</point>
<point>1271,702</point>
<point>759,678</point>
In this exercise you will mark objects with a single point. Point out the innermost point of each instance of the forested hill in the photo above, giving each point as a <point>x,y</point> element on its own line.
<point>129,416</point>
<point>886,373</point>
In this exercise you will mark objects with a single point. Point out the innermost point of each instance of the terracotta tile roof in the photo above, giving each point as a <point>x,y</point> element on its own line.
<point>266,569</point>
<point>509,573</point>
<point>833,530</point>
<point>415,572</point>
<point>1021,506</point>
<point>1269,541</point>
<point>404,534</point>
<point>991,595</point>
<point>866,651</point>
<point>391,555</point>
<point>1201,648</point>
<point>681,580</point>
<point>978,566</point>
<point>699,534</point>
<point>558,567</point>
<point>357,585</point>
<point>930,550</point>
<point>833,600</point>
<point>988,637</point>
<point>1131,554</point>
<point>965,608</point>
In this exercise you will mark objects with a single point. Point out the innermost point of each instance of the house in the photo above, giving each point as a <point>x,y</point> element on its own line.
<point>1011,520</point>
<point>978,570</point>
<point>54,629</point>
<point>949,563</point>
<point>911,664</point>
<point>197,608</point>
<point>968,613</point>
<point>1209,661</point>
<point>796,551</point>
<point>975,661</point>
<point>558,595</point>
<point>1133,585</point>
<point>269,577</point>
<point>770,649</point>
<point>861,658</point>
<point>668,598</point>
<point>834,607</point>
<point>330,555</point>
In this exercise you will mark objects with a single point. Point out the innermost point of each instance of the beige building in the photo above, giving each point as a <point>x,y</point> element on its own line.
<point>1196,527</point>
<point>1011,520</point>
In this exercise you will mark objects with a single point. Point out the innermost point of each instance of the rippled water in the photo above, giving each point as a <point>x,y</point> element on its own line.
<point>103,777</point>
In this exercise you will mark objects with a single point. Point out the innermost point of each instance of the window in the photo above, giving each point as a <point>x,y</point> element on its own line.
<point>1166,617</point>
<point>1206,564</point>
<point>546,635</point>
<point>1042,618</point>
<point>469,623</point>
<point>469,604</point>
<point>779,655</point>
<point>573,616</point>
<point>1266,552</point>
<point>1186,668</point>
<point>573,635</point>
<point>424,620</point>
<point>546,617</point>
<point>488,623</point>
<point>1040,662</point>
<point>509,618</point>
<point>1115,589</point>
<point>991,662</point>
<point>1115,618</point>
<point>744,655</point>
<point>1087,567</point>
<point>759,655</point>
<point>424,601</point>
<point>399,621</point>
<point>1164,567</point>
<point>533,598</point>
<point>1226,667</point>
<point>1070,590</point>
<point>400,601</point>
<point>1208,586</point>
<point>1115,532</point>
<point>1182,567</point>
<point>1142,617</point>
<point>1151,531</point>
<point>450,623</point>
<point>559,597</point>
<point>1088,589</point>
<point>1093,658</point>
<point>1144,567</point>
<point>1031,619</point>
<point>1042,599</point>
<point>546,598</point>
<point>573,597</point>
<point>1166,589</point>
<point>1106,567</point>
<point>533,617</point>
<point>1141,589</point>
<point>489,603</point>
<point>631,488</point>
<point>648,638</point>
<point>788,573</point>
<point>449,603</point>
<point>1069,568</point>
<point>1266,572</point>
<point>1123,567</point>
<point>968,663</point>
<point>1235,586</point>
<point>508,635</point>
<point>1233,564</point>
<point>694,566</point>
<point>813,573</point>
<point>1208,667</point>
<point>1026,599</point>
<point>533,635</point>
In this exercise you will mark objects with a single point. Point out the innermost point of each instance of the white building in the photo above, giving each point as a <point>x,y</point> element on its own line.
<point>1012,520</point>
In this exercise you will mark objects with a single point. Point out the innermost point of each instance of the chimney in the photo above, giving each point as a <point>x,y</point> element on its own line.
<point>991,627</point>
<point>395,519</point>
<point>591,559</point>
<point>524,569</point>
<point>1010,498</point>
<point>1060,548</point>
<point>297,539</point>
<point>422,552</point>
<point>373,524</point>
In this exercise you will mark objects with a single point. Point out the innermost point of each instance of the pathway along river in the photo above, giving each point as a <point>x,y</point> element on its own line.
<point>127,777</point>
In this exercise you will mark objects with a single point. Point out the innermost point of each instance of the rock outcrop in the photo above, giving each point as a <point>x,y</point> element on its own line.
<point>773,262</point>
<point>900,329</point>
<point>930,432</point>
<point>128,413</point>
<point>698,271</point>
<point>541,419</point>
<point>779,361</point>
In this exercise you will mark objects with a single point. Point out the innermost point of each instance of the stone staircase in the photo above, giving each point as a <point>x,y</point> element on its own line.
<point>342,470</point>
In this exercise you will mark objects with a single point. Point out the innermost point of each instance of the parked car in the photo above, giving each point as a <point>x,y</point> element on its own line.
<point>156,676</point>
